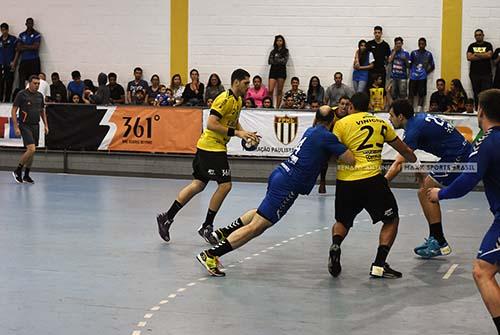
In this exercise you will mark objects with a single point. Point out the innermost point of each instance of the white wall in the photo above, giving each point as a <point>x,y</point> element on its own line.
<point>321,35</point>
<point>483,14</point>
<point>97,36</point>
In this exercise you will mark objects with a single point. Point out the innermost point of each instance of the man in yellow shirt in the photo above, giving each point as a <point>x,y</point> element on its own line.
<point>363,186</point>
<point>210,162</point>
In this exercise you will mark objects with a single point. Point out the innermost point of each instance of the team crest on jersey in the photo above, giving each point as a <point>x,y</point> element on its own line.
<point>285,128</point>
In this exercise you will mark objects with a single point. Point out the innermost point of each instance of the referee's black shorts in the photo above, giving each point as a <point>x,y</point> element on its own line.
<point>211,165</point>
<point>30,133</point>
<point>372,194</point>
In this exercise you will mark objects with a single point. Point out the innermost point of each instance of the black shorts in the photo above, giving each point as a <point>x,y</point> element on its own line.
<point>372,194</point>
<point>211,165</point>
<point>418,88</point>
<point>30,133</point>
<point>28,68</point>
<point>277,72</point>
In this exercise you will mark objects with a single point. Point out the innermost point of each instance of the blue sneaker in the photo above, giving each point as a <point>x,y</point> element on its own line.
<point>423,245</point>
<point>433,249</point>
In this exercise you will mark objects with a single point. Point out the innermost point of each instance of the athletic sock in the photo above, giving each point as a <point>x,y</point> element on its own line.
<point>27,172</point>
<point>337,239</point>
<point>235,225</point>
<point>382,252</point>
<point>323,174</point>
<point>497,323</point>
<point>220,249</point>
<point>19,168</point>
<point>436,231</point>
<point>176,207</point>
<point>209,220</point>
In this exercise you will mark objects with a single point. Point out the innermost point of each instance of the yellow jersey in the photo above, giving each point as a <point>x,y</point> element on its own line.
<point>377,99</point>
<point>364,134</point>
<point>227,107</point>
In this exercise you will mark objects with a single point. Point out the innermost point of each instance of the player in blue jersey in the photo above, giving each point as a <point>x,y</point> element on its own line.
<point>487,157</point>
<point>433,135</point>
<point>297,175</point>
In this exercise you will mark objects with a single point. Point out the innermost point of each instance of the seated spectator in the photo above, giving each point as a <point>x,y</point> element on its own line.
<point>75,99</point>
<point>58,92</point>
<point>164,97</point>
<point>116,91</point>
<point>44,87</point>
<point>363,63</point>
<point>458,96</point>
<point>299,97</point>
<point>433,106</point>
<point>76,86</point>
<point>102,95</point>
<point>89,85</point>
<point>469,106</point>
<point>153,90</point>
<point>267,102</point>
<point>288,102</point>
<point>440,96</point>
<point>314,105</point>
<point>210,102</point>
<point>250,103</point>
<point>177,88</point>
<point>193,92</point>
<point>139,98</point>
<point>336,90</point>
<point>315,91</point>
<point>137,84</point>
<point>377,94</point>
<point>258,91</point>
<point>214,87</point>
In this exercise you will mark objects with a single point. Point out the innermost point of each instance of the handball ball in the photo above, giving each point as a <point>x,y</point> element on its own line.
<point>249,145</point>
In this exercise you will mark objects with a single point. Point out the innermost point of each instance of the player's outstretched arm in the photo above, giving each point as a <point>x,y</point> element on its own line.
<point>395,168</point>
<point>403,150</point>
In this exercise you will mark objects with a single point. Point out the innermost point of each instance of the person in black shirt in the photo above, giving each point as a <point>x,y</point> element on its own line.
<point>135,85</point>
<point>441,98</point>
<point>381,51</point>
<point>116,91</point>
<point>194,92</point>
<point>496,61</point>
<point>479,55</point>
<point>30,104</point>
<point>58,92</point>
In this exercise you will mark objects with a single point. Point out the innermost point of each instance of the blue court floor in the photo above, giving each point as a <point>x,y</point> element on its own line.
<point>81,255</point>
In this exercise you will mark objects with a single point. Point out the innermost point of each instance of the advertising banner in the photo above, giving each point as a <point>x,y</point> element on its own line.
<point>8,137</point>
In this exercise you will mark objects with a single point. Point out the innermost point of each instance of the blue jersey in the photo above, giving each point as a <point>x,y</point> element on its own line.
<point>7,50</point>
<point>431,134</point>
<point>29,39</point>
<point>421,62</point>
<point>313,151</point>
<point>487,157</point>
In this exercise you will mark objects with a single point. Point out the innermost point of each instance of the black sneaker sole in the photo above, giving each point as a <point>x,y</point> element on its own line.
<point>15,178</point>
<point>334,267</point>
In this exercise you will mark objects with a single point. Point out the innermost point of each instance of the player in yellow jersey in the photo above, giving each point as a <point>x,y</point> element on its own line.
<point>210,162</point>
<point>363,186</point>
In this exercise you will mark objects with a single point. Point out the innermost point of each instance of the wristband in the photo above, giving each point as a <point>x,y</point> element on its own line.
<point>230,131</point>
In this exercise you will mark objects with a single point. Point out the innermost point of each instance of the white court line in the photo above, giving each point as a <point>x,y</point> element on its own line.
<point>270,248</point>
<point>277,245</point>
<point>309,233</point>
<point>202,279</point>
<point>141,324</point>
<point>450,271</point>
<point>191,284</point>
<point>292,238</point>
<point>449,211</point>
<point>255,255</point>
<point>182,289</point>
<point>284,241</point>
<point>155,308</point>
<point>325,228</point>
<point>136,332</point>
<point>248,258</point>
<point>316,230</point>
<point>163,302</point>
<point>301,235</point>
<point>263,251</point>
<point>172,296</point>
<point>462,210</point>
<point>148,316</point>
<point>231,266</point>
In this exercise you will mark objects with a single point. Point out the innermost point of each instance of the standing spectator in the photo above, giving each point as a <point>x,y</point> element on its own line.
<point>377,94</point>
<point>58,92</point>
<point>443,100</point>
<point>479,55</point>
<point>214,87</point>
<point>267,102</point>
<point>28,47</point>
<point>400,60</point>
<point>457,96</point>
<point>258,91</point>
<point>381,51</point>
<point>44,87</point>
<point>337,90</point>
<point>299,97</point>
<point>315,92</point>
<point>177,88</point>
<point>116,91</point>
<point>422,64</point>
<point>278,57</point>
<point>102,94</point>
<point>496,61</point>
<point>8,61</point>
<point>76,86</point>
<point>193,92</point>
<point>137,84</point>
<point>363,63</point>
<point>153,90</point>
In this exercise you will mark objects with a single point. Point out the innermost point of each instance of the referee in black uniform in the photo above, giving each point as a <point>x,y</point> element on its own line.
<point>30,104</point>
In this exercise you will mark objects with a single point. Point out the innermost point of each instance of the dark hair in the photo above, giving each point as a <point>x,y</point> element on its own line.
<point>161,86</point>
<point>336,73</point>
<point>480,30</point>
<point>402,107</point>
<point>344,97</point>
<point>311,92</point>
<point>30,19</point>
<point>252,101</point>
<point>399,38</point>
<point>257,77</point>
<point>441,80</point>
<point>295,78</point>
<point>313,101</point>
<point>89,85</point>
<point>469,101</point>
<point>434,101</point>
<point>377,75</point>
<point>112,75</point>
<point>33,76</point>
<point>422,39</point>
<point>377,28</point>
<point>458,84</point>
<point>360,101</point>
<point>193,70</point>
<point>267,97</point>
<point>209,83</point>
<point>276,38</point>
<point>137,69</point>
<point>173,77</point>
<point>489,101</point>
<point>54,74</point>
<point>362,56</point>
<point>239,74</point>
<point>76,74</point>
<point>155,76</point>
<point>73,95</point>
<point>4,26</point>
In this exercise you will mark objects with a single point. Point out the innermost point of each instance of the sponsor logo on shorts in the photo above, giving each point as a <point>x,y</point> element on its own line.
<point>211,172</point>
<point>389,212</point>
<point>226,172</point>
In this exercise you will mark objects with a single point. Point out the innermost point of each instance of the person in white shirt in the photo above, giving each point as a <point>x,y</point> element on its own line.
<point>44,87</point>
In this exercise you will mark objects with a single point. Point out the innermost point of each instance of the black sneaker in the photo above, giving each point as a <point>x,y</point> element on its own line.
<point>206,233</point>
<point>17,176</point>
<point>27,179</point>
<point>334,266</point>
<point>218,236</point>
<point>384,272</point>
<point>164,224</point>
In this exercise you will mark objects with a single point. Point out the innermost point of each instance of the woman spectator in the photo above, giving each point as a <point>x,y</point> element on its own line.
<point>258,91</point>
<point>315,92</point>
<point>278,58</point>
<point>214,87</point>
<point>177,88</point>
<point>267,102</point>
<point>250,103</point>
<point>363,62</point>
<point>153,90</point>
<point>193,93</point>
<point>89,85</point>
<point>458,96</point>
